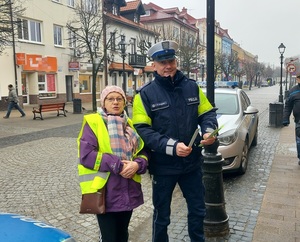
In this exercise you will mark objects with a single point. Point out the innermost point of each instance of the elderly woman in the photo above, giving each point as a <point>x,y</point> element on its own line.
<point>108,143</point>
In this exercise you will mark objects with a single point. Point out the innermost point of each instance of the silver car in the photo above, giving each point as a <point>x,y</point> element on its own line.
<point>240,126</point>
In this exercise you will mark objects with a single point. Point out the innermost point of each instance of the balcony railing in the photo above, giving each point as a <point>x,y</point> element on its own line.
<point>136,60</point>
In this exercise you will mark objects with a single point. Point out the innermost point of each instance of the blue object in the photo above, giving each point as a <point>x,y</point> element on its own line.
<point>19,228</point>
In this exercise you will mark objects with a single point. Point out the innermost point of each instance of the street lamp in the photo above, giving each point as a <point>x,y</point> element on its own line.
<point>96,65</point>
<point>13,44</point>
<point>202,64</point>
<point>122,46</point>
<point>281,49</point>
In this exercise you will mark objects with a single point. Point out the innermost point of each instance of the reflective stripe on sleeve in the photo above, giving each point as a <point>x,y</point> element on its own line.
<point>170,146</point>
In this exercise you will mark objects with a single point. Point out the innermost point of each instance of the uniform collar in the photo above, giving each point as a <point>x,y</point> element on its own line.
<point>167,81</point>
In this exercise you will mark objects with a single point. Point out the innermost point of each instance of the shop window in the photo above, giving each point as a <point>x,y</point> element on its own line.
<point>85,84</point>
<point>46,85</point>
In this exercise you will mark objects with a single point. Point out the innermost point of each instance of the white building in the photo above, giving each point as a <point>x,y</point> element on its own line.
<point>49,67</point>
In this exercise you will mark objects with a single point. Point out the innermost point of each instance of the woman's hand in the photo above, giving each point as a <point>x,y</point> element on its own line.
<point>129,168</point>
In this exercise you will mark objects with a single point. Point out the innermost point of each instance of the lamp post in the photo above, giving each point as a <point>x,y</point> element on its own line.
<point>13,44</point>
<point>281,49</point>
<point>202,64</point>
<point>96,65</point>
<point>122,46</point>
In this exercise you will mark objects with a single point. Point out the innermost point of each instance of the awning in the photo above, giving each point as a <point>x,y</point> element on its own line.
<point>116,66</point>
<point>148,69</point>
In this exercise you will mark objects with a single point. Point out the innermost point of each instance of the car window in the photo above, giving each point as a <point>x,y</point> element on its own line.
<point>226,103</point>
<point>245,100</point>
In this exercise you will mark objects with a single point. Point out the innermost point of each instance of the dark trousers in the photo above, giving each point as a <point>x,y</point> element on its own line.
<point>193,191</point>
<point>298,146</point>
<point>114,226</point>
<point>12,105</point>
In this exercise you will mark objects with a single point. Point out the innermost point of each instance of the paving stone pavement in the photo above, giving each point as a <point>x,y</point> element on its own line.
<point>38,178</point>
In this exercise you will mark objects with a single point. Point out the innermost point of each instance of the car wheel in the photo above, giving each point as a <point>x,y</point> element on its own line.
<point>244,159</point>
<point>254,141</point>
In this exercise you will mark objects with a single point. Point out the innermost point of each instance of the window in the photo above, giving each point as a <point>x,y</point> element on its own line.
<point>115,9</point>
<point>113,40</point>
<point>29,30</point>
<point>176,33</point>
<point>226,103</point>
<point>132,45</point>
<point>135,18</point>
<point>71,3</point>
<point>114,79</point>
<point>91,6</point>
<point>147,13</point>
<point>72,39</point>
<point>57,35</point>
<point>46,85</point>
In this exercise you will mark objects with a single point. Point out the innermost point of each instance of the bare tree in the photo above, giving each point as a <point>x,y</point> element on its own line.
<point>8,22</point>
<point>228,64</point>
<point>217,64</point>
<point>239,72</point>
<point>188,56</point>
<point>250,70</point>
<point>188,45</point>
<point>86,33</point>
<point>144,41</point>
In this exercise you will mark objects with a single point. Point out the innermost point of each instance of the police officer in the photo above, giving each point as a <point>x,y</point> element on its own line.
<point>166,113</point>
<point>292,104</point>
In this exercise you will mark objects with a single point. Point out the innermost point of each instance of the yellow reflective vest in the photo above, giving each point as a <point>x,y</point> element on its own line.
<point>91,180</point>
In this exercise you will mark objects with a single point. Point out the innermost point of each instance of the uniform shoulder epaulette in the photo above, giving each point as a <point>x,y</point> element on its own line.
<point>143,86</point>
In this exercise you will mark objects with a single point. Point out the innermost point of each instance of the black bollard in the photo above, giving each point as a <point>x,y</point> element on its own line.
<point>216,219</point>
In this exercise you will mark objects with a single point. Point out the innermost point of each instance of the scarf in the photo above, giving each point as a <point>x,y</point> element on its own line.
<point>124,141</point>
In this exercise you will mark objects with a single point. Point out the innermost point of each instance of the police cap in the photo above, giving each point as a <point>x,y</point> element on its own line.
<point>164,50</point>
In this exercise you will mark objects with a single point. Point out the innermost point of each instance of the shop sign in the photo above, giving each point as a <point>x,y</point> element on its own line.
<point>73,66</point>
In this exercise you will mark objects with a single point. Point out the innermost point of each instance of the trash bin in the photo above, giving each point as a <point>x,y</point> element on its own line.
<point>77,105</point>
<point>276,114</point>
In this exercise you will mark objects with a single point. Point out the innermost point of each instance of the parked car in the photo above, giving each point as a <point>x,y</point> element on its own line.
<point>264,84</point>
<point>15,227</point>
<point>240,121</point>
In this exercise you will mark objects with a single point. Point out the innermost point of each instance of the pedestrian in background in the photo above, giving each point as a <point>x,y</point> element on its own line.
<point>13,102</point>
<point>292,104</point>
<point>166,113</point>
<point>108,143</point>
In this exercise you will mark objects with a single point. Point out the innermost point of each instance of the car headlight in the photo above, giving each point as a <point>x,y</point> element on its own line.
<point>228,137</point>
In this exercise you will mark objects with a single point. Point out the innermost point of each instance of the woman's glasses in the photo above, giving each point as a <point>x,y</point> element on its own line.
<point>118,99</point>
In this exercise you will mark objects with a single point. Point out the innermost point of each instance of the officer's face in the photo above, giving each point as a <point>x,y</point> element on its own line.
<point>165,68</point>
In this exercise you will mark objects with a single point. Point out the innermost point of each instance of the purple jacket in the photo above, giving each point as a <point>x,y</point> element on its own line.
<point>121,194</point>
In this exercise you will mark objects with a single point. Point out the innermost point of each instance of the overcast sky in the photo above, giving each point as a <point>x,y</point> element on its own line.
<point>259,26</point>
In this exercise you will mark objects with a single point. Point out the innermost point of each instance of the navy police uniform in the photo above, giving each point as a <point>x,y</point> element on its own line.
<point>167,111</point>
<point>292,104</point>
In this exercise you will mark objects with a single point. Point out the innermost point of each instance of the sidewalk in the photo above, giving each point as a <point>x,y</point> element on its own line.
<point>279,216</point>
<point>278,219</point>
<point>17,125</point>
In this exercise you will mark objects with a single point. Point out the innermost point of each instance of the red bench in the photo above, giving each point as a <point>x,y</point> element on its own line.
<point>59,107</point>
